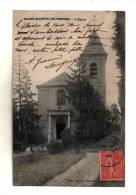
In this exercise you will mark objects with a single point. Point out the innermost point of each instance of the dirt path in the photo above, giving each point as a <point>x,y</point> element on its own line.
<point>83,173</point>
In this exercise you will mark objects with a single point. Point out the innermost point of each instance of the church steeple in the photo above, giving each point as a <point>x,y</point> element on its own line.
<point>95,56</point>
<point>94,45</point>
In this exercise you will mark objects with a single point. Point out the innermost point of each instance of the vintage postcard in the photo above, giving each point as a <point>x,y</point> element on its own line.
<point>69,98</point>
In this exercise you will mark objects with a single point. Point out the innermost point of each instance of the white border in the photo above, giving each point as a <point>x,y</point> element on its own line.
<point>6,7</point>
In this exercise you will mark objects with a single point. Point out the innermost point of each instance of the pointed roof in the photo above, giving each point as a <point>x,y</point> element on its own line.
<point>94,45</point>
<point>61,79</point>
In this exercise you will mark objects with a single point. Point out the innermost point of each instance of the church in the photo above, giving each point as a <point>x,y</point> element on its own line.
<point>54,108</point>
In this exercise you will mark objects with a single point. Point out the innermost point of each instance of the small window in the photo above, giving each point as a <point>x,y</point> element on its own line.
<point>61,98</point>
<point>93,70</point>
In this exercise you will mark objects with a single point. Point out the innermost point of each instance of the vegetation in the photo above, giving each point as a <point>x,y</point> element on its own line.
<point>55,146</point>
<point>42,167</point>
<point>94,120</point>
<point>26,129</point>
<point>119,46</point>
<point>67,138</point>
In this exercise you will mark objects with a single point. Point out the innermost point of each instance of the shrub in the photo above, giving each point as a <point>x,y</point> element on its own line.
<point>19,146</point>
<point>55,146</point>
<point>67,137</point>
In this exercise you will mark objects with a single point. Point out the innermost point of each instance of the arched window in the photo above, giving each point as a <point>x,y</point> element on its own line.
<point>93,70</point>
<point>61,98</point>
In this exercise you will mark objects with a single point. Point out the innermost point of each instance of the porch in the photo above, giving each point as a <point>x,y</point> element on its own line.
<point>58,120</point>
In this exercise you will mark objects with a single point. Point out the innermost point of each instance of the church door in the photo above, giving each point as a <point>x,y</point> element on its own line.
<point>60,126</point>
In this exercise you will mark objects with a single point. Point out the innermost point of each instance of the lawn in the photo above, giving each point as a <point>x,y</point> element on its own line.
<point>38,168</point>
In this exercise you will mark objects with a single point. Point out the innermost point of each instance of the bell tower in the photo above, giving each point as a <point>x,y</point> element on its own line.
<point>94,56</point>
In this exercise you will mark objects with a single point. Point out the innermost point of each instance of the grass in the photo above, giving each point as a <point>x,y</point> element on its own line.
<point>38,168</point>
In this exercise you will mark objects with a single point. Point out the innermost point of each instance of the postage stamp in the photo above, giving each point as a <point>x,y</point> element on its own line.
<point>112,165</point>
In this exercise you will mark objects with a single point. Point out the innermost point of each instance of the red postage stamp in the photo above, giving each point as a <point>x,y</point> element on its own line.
<point>112,165</point>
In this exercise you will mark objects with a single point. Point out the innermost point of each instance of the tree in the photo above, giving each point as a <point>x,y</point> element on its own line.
<point>119,46</point>
<point>76,86</point>
<point>16,133</point>
<point>115,117</point>
<point>25,116</point>
<point>92,117</point>
<point>76,93</point>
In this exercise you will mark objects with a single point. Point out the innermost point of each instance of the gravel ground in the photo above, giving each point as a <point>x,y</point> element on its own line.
<point>83,173</point>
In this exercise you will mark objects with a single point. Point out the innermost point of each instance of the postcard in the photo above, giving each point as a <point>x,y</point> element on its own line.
<point>68,98</point>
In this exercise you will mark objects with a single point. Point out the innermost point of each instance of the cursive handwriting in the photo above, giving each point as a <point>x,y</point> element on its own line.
<point>41,60</point>
<point>57,38</point>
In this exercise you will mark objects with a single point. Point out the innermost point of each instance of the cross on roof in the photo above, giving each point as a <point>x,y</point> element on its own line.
<point>94,25</point>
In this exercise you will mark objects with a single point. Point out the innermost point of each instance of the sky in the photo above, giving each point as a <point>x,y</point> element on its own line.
<point>35,28</point>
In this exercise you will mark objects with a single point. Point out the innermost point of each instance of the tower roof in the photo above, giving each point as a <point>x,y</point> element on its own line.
<point>94,45</point>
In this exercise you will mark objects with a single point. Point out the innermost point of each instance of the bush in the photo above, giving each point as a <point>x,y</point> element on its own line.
<point>67,137</point>
<point>55,146</point>
<point>19,146</point>
<point>98,124</point>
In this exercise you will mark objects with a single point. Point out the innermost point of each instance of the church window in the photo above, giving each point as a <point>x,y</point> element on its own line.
<point>61,98</point>
<point>93,70</point>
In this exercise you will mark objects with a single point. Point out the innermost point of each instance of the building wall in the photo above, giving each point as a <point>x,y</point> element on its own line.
<point>98,83</point>
<point>47,96</point>
<point>47,100</point>
<point>43,107</point>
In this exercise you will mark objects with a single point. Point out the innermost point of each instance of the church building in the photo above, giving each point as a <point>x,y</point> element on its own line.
<point>54,107</point>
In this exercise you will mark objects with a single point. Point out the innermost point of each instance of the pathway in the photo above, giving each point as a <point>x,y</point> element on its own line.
<point>83,173</point>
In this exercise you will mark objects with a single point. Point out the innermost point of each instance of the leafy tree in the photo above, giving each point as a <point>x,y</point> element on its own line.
<point>26,128</point>
<point>94,120</point>
<point>90,110</point>
<point>76,94</point>
<point>16,132</point>
<point>119,46</point>
<point>115,117</point>
<point>76,86</point>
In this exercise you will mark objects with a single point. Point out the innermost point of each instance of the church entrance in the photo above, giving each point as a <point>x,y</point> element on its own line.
<point>57,122</point>
<point>60,126</point>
